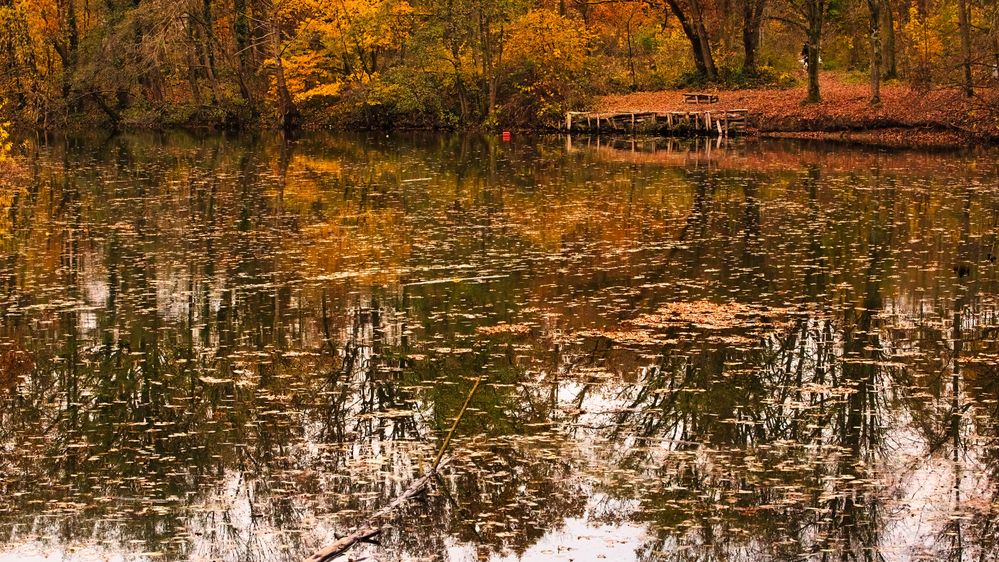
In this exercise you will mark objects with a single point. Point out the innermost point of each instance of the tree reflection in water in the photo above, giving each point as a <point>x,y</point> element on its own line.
<point>235,349</point>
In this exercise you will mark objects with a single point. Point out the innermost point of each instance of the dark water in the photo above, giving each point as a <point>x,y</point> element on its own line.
<point>236,350</point>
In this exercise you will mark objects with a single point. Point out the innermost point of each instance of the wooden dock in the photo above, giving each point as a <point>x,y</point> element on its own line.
<point>721,123</point>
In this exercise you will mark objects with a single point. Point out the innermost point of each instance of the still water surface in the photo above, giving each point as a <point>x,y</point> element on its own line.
<point>237,349</point>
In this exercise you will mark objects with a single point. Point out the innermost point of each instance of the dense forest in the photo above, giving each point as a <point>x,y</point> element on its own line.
<point>454,63</point>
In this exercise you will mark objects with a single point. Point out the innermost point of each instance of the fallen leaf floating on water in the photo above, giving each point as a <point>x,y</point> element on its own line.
<point>705,315</point>
<point>512,329</point>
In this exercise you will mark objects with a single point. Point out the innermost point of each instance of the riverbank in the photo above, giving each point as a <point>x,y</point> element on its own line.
<point>905,118</point>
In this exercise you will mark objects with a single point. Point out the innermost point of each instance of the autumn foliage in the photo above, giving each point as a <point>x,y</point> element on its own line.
<point>455,63</point>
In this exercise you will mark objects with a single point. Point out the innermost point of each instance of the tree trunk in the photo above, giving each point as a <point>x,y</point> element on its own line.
<point>209,19</point>
<point>711,71</point>
<point>203,61</point>
<point>241,31</point>
<point>964,23</point>
<point>695,47</point>
<point>112,114</point>
<point>697,36</point>
<point>584,11</point>
<point>890,64</point>
<point>192,72</point>
<point>462,99</point>
<point>815,14</point>
<point>995,53</point>
<point>814,95</point>
<point>206,48</point>
<point>874,7</point>
<point>752,23</point>
<point>631,56</point>
<point>489,63</point>
<point>290,117</point>
<point>69,60</point>
<point>192,78</point>
<point>705,40</point>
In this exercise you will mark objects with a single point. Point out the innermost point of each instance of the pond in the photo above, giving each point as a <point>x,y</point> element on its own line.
<point>237,349</point>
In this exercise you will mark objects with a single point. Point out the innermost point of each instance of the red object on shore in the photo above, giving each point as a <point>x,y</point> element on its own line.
<point>506,136</point>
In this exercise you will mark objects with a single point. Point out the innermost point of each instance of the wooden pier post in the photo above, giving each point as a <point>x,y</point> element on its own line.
<point>704,123</point>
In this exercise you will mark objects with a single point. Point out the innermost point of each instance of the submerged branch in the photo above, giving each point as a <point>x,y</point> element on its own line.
<point>371,528</point>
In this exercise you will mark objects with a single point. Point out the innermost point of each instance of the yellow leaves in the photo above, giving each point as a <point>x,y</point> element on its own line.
<point>924,34</point>
<point>342,43</point>
<point>10,187</point>
<point>5,144</point>
<point>380,92</point>
<point>307,76</point>
<point>323,90</point>
<point>402,9</point>
<point>549,41</point>
<point>348,26</point>
<point>42,16</point>
<point>615,20</point>
<point>547,56</point>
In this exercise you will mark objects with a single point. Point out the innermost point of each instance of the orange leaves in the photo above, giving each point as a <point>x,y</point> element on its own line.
<point>615,19</point>
<point>505,329</point>
<point>845,105</point>
<point>42,16</point>
<point>701,314</point>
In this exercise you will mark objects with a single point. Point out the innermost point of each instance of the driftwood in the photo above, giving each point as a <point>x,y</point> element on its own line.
<point>371,528</point>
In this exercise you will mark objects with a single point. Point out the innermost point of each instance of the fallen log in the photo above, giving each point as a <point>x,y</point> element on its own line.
<point>371,528</point>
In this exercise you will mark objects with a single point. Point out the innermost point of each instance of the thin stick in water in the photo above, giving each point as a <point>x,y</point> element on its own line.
<point>372,527</point>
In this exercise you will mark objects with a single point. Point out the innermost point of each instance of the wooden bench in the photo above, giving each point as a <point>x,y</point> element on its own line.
<point>699,97</point>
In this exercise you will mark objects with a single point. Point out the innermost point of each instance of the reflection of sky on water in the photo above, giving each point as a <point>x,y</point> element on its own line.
<point>579,541</point>
<point>37,553</point>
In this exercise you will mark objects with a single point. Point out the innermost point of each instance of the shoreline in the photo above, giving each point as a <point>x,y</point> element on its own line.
<point>881,136</point>
<point>940,118</point>
<point>889,138</point>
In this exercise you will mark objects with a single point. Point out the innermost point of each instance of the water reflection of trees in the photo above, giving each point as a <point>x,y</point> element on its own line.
<point>242,344</point>
<point>192,394</point>
<point>783,448</point>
